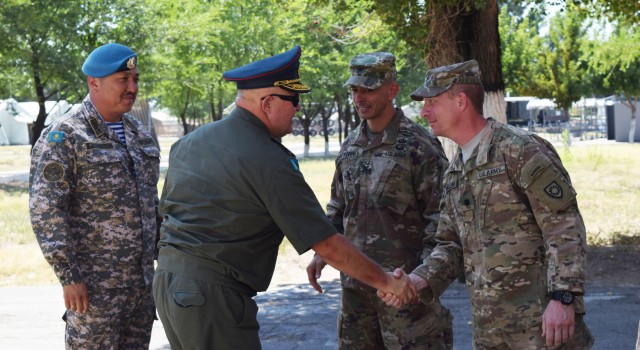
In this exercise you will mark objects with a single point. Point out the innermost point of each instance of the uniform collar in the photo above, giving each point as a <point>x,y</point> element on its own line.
<point>481,152</point>
<point>389,134</point>
<point>97,123</point>
<point>244,115</point>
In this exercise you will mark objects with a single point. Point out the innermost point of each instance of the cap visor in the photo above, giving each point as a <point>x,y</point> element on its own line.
<point>361,80</point>
<point>424,92</point>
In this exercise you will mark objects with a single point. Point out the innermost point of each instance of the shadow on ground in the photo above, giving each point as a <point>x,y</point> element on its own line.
<point>295,316</point>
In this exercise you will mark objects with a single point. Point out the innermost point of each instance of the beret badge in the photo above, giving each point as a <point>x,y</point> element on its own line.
<point>131,63</point>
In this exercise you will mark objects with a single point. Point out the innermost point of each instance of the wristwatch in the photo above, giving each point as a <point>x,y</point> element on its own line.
<point>565,297</point>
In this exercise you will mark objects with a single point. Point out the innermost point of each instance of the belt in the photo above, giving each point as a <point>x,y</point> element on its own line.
<point>191,266</point>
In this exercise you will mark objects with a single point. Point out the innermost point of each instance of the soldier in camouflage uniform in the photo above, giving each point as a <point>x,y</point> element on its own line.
<point>384,197</point>
<point>93,205</point>
<point>511,218</point>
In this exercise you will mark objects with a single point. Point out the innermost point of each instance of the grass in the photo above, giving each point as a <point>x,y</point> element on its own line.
<point>606,177</point>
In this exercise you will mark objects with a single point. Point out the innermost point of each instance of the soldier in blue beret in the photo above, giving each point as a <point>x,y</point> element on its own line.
<point>232,193</point>
<point>509,220</point>
<point>93,204</point>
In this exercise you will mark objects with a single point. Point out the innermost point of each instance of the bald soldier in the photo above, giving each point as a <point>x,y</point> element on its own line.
<point>231,195</point>
<point>384,197</point>
<point>93,204</point>
<point>510,218</point>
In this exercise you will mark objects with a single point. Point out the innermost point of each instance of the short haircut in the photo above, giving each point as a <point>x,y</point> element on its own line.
<point>475,93</point>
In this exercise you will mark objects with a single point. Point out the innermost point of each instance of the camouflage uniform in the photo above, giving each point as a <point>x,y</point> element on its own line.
<point>510,214</point>
<point>93,205</point>
<point>384,197</point>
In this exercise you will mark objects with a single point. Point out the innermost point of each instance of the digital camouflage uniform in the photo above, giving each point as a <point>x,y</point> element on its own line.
<point>384,197</point>
<point>93,205</point>
<point>510,214</point>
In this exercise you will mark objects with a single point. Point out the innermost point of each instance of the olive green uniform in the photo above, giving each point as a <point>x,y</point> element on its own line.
<point>231,194</point>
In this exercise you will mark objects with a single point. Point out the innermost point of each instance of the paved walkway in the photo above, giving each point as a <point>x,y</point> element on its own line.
<point>294,316</point>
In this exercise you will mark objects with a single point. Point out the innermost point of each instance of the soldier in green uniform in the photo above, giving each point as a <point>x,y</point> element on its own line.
<point>232,193</point>
<point>93,202</point>
<point>384,197</point>
<point>509,218</point>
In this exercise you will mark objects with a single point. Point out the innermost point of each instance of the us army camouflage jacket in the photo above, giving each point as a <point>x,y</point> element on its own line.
<point>385,194</point>
<point>93,200</point>
<point>510,213</point>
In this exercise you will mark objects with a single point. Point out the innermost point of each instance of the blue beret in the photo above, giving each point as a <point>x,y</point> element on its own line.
<point>276,71</point>
<point>108,59</point>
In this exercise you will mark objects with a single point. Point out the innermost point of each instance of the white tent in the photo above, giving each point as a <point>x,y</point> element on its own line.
<point>54,109</point>
<point>541,103</point>
<point>14,123</point>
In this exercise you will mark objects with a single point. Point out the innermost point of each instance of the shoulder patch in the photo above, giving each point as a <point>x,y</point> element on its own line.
<point>55,136</point>
<point>533,169</point>
<point>552,189</point>
<point>53,172</point>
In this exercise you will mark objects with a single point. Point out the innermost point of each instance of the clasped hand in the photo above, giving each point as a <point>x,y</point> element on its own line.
<point>393,299</point>
<point>400,289</point>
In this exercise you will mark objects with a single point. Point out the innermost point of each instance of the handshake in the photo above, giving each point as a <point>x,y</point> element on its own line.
<point>398,289</point>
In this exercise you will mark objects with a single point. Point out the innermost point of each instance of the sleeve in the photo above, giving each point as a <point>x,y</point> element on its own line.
<point>336,205</point>
<point>295,208</point>
<point>428,187</point>
<point>444,263</point>
<point>547,187</point>
<point>50,183</point>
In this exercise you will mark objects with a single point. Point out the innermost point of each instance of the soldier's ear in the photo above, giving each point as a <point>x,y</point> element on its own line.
<point>92,82</point>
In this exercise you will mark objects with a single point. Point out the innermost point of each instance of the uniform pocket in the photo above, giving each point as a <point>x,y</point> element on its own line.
<point>187,298</point>
<point>240,308</point>
<point>500,206</point>
<point>100,170</point>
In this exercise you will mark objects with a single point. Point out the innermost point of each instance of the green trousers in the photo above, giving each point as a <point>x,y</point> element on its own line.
<point>203,308</point>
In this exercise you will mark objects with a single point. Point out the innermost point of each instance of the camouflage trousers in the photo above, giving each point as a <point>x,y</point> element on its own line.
<point>532,339</point>
<point>118,318</point>
<point>365,322</point>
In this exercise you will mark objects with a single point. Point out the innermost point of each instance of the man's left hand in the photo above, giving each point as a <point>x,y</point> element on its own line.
<point>558,323</point>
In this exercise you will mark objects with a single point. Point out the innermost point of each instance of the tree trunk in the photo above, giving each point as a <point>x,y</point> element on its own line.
<point>38,125</point>
<point>485,48</point>
<point>632,128</point>
<point>457,35</point>
<point>183,113</point>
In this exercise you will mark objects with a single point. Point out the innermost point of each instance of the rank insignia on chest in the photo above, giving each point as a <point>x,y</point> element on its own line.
<point>55,136</point>
<point>366,167</point>
<point>554,190</point>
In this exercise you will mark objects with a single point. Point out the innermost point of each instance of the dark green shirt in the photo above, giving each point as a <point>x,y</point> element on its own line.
<point>232,193</point>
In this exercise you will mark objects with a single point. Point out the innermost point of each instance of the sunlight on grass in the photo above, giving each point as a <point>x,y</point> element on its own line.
<point>318,172</point>
<point>607,180</point>
<point>23,264</point>
<point>14,158</point>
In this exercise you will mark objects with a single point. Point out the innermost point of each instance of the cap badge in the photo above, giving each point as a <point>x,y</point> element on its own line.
<point>131,64</point>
